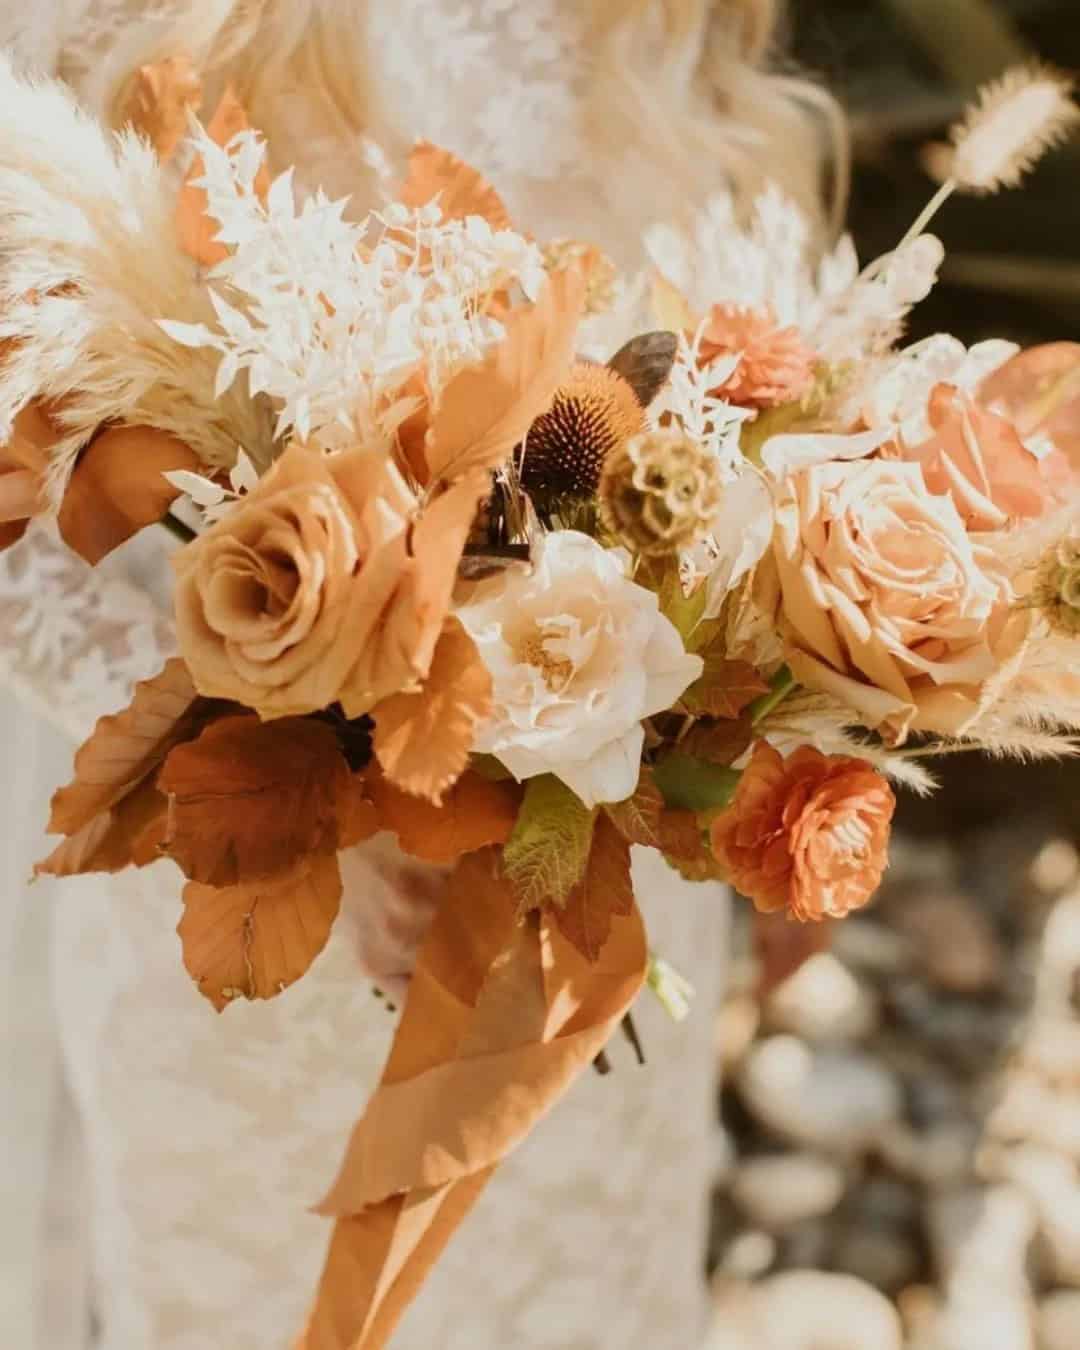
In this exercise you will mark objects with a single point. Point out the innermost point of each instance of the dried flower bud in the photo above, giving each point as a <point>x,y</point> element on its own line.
<point>1011,125</point>
<point>660,492</point>
<point>593,413</point>
<point>1057,587</point>
<point>598,269</point>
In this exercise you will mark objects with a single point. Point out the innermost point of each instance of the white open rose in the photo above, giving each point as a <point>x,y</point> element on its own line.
<point>579,655</point>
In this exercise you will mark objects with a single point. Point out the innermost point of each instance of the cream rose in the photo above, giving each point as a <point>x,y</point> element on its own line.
<point>579,655</point>
<point>885,600</point>
<point>314,588</point>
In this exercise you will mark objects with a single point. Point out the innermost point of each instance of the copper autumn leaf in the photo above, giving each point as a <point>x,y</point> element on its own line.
<point>422,740</point>
<point>250,799</point>
<point>196,229</point>
<point>434,172</point>
<point>500,1021</point>
<point>638,817</point>
<point>118,487</point>
<point>724,687</point>
<point>125,748</point>
<point>604,892</point>
<point>474,814</point>
<point>486,409</point>
<point>254,940</point>
<point>130,834</point>
<point>719,740</point>
<point>160,97</point>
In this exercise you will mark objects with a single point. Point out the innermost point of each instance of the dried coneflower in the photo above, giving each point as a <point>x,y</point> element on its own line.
<point>660,492</point>
<point>594,412</point>
<point>1057,587</point>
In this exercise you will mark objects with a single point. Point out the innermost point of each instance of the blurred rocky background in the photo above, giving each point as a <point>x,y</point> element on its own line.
<point>899,1163</point>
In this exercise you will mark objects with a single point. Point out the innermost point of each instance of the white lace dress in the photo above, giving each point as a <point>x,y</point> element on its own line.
<point>209,1136</point>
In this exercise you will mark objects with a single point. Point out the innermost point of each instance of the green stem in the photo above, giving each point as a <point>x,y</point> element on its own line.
<point>782,683</point>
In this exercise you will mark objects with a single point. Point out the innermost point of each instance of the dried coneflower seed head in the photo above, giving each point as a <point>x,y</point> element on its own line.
<point>1057,587</point>
<point>593,413</point>
<point>660,492</point>
<point>1010,126</point>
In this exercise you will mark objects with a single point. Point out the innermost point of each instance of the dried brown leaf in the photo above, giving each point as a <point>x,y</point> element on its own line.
<point>254,940</point>
<point>422,741</point>
<point>461,190</point>
<point>605,891</point>
<point>782,945</point>
<point>128,834</point>
<point>724,687</point>
<point>251,799</point>
<point>118,487</point>
<point>721,740</point>
<point>638,818</point>
<point>487,409</point>
<point>474,814</point>
<point>127,747</point>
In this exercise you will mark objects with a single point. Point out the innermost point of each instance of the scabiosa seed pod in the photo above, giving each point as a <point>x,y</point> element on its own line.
<point>594,412</point>
<point>660,492</point>
<point>1057,587</point>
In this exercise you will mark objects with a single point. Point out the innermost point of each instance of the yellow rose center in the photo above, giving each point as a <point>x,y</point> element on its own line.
<point>556,671</point>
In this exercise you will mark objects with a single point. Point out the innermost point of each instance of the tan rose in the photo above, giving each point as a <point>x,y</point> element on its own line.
<point>809,834</point>
<point>884,599</point>
<point>323,585</point>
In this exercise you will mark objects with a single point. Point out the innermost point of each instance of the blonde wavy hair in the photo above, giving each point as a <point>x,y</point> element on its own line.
<point>711,107</point>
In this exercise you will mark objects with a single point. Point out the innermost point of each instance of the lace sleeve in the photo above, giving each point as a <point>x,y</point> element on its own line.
<point>73,638</point>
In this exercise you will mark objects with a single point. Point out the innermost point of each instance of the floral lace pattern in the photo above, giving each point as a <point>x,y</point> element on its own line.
<point>209,1137</point>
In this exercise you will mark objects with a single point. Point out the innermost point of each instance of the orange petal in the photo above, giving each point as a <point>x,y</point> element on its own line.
<point>422,741</point>
<point>254,940</point>
<point>461,190</point>
<point>474,814</point>
<point>163,94</point>
<point>118,487</point>
<point>487,409</point>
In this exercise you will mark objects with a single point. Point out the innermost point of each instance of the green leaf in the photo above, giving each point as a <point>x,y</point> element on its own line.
<point>545,857</point>
<point>487,766</point>
<point>690,784</point>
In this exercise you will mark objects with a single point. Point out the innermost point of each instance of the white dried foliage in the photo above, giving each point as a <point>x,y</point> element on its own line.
<point>711,422</point>
<point>87,268</point>
<point>329,318</point>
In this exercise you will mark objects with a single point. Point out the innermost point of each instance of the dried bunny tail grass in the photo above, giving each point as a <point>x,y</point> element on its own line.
<point>1012,124</point>
<point>808,717</point>
<point>87,268</point>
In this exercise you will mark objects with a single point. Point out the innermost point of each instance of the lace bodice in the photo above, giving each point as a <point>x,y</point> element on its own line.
<point>209,1137</point>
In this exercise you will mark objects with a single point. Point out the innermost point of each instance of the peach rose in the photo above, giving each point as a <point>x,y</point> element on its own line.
<point>884,599</point>
<point>809,834</point>
<point>322,585</point>
<point>1039,390</point>
<point>979,460</point>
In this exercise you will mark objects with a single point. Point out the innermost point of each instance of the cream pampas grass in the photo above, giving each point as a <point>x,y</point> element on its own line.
<point>88,265</point>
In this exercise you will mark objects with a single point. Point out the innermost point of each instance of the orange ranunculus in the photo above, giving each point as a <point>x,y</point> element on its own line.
<point>808,834</point>
<point>776,366</point>
<point>978,458</point>
<point>323,584</point>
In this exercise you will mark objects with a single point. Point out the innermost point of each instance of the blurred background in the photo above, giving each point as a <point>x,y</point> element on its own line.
<point>901,1116</point>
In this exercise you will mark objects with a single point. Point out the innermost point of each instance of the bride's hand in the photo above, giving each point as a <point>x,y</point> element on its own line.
<point>388,903</point>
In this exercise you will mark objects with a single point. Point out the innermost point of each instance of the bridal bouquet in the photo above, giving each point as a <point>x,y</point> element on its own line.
<point>524,563</point>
